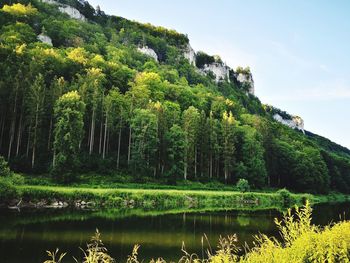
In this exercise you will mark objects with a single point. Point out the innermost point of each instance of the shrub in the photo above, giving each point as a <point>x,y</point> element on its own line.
<point>203,59</point>
<point>243,185</point>
<point>4,168</point>
<point>17,179</point>
<point>7,190</point>
<point>286,196</point>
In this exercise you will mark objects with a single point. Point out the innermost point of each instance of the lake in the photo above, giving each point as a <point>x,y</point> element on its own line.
<point>26,235</point>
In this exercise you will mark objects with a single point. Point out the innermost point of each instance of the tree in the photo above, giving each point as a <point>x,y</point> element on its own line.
<point>92,92</point>
<point>68,132</point>
<point>228,126</point>
<point>57,89</point>
<point>203,144</point>
<point>214,127</point>
<point>310,173</point>
<point>17,85</point>
<point>242,185</point>
<point>145,141</point>
<point>190,119</point>
<point>175,139</point>
<point>252,152</point>
<point>80,56</point>
<point>285,159</point>
<point>138,97</point>
<point>18,33</point>
<point>20,10</point>
<point>267,133</point>
<point>37,94</point>
<point>116,111</point>
<point>172,112</point>
<point>153,83</point>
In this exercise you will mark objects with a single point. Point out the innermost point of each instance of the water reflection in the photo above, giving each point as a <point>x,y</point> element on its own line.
<point>25,236</point>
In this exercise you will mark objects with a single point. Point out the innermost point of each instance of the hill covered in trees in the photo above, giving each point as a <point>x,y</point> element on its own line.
<point>102,93</point>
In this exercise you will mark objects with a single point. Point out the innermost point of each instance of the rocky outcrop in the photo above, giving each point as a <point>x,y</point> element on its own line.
<point>219,69</point>
<point>190,54</point>
<point>67,9</point>
<point>247,79</point>
<point>72,12</point>
<point>148,52</point>
<point>45,39</point>
<point>295,122</point>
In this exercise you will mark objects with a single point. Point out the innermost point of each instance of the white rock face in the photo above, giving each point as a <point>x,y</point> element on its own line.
<point>67,9</point>
<point>148,52</point>
<point>72,12</point>
<point>50,2</point>
<point>45,39</point>
<point>190,55</point>
<point>295,123</point>
<point>220,70</point>
<point>247,78</point>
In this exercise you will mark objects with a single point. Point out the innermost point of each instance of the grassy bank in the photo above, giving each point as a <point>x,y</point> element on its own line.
<point>164,198</point>
<point>110,192</point>
<point>158,198</point>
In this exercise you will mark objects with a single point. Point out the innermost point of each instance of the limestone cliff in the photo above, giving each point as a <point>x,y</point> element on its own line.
<point>67,9</point>
<point>148,52</point>
<point>220,70</point>
<point>295,122</point>
<point>246,79</point>
<point>45,39</point>
<point>190,54</point>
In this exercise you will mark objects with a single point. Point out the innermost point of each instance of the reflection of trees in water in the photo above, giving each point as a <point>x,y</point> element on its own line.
<point>158,234</point>
<point>324,214</point>
<point>243,221</point>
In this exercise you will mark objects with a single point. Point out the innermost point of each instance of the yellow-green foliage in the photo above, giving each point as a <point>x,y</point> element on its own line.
<point>95,252</point>
<point>301,242</point>
<point>20,10</point>
<point>54,256</point>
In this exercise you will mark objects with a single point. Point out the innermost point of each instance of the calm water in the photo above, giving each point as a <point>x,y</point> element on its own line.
<point>26,235</point>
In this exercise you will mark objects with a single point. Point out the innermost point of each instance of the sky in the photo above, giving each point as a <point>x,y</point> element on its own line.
<point>298,51</point>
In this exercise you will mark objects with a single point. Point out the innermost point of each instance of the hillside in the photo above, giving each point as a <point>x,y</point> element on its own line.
<point>82,91</point>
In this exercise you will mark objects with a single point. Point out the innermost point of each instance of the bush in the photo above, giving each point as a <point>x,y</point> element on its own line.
<point>17,179</point>
<point>242,185</point>
<point>203,59</point>
<point>7,190</point>
<point>4,168</point>
<point>286,196</point>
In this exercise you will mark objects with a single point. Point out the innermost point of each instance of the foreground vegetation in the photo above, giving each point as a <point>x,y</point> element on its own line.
<point>301,242</point>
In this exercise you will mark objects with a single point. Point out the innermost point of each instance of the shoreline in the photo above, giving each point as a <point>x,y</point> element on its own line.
<point>33,196</point>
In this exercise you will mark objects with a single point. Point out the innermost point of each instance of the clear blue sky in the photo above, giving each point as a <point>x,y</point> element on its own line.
<point>298,51</point>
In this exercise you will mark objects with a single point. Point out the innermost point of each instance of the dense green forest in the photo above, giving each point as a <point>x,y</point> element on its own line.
<point>93,102</point>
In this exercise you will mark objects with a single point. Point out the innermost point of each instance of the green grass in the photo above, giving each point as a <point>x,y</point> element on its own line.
<point>110,192</point>
<point>158,198</point>
<point>118,191</point>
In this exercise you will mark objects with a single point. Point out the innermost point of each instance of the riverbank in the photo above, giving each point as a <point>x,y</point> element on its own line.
<point>36,196</point>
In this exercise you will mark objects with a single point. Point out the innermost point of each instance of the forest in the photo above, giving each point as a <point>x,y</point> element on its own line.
<point>92,102</point>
